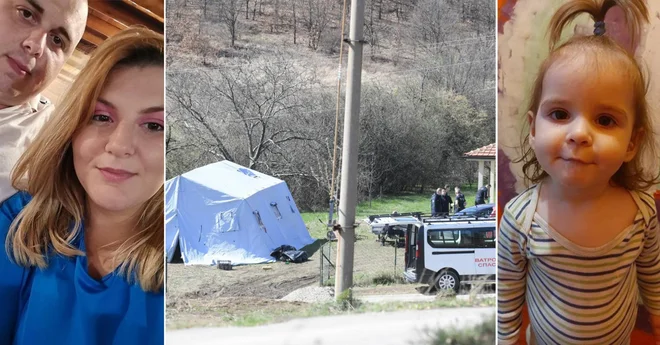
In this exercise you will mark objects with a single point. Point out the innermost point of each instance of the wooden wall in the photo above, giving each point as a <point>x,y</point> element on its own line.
<point>106,18</point>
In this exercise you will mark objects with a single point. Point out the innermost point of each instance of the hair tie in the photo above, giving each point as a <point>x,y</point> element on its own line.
<point>599,28</point>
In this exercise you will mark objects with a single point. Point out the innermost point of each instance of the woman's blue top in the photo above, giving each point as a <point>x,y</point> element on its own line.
<point>63,304</point>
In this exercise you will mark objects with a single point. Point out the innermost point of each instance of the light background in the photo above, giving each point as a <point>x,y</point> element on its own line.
<point>522,46</point>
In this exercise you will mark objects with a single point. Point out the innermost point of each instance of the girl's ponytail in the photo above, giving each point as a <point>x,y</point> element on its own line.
<point>635,12</point>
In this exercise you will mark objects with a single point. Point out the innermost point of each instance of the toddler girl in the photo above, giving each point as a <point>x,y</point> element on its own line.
<point>580,243</point>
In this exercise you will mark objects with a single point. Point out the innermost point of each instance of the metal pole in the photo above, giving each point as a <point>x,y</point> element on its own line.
<point>396,249</point>
<point>348,194</point>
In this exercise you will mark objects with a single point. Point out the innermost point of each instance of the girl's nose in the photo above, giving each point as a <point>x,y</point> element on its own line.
<point>579,132</point>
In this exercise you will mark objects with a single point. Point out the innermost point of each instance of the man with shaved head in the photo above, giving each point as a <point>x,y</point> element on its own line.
<point>36,39</point>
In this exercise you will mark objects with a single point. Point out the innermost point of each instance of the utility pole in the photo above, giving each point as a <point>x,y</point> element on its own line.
<point>349,160</point>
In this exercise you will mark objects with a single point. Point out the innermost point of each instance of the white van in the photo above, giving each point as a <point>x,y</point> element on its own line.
<point>448,252</point>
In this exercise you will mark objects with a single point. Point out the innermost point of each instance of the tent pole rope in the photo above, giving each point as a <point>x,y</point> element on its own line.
<point>334,153</point>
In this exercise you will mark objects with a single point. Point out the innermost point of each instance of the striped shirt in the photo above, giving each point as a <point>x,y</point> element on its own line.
<point>574,295</point>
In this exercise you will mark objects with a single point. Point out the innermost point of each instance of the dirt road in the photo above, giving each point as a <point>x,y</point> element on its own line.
<point>406,327</point>
<point>200,296</point>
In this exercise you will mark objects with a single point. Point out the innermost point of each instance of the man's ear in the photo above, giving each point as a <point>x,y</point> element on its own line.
<point>531,119</point>
<point>633,146</point>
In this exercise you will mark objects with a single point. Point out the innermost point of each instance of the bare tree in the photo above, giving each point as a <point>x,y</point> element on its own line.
<point>274,27</point>
<point>480,14</point>
<point>318,16</point>
<point>229,12</point>
<point>259,95</point>
<point>434,23</point>
<point>380,9</point>
<point>258,102</point>
<point>373,29</point>
<point>188,95</point>
<point>402,8</point>
<point>295,24</point>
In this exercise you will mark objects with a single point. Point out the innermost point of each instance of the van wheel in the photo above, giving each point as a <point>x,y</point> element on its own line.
<point>447,280</point>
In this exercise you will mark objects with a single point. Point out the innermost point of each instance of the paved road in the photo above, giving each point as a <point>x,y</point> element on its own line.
<point>397,328</point>
<point>414,298</point>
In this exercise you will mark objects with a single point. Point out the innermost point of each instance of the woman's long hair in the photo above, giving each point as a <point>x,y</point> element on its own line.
<point>51,221</point>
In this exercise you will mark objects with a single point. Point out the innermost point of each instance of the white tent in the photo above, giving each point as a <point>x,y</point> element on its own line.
<point>224,211</point>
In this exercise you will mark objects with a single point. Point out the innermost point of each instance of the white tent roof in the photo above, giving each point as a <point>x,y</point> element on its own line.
<point>232,179</point>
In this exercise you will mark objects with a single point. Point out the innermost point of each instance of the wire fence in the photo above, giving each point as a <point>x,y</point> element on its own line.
<point>375,262</point>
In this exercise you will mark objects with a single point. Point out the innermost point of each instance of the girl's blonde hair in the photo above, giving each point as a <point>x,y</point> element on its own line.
<point>44,227</point>
<point>632,175</point>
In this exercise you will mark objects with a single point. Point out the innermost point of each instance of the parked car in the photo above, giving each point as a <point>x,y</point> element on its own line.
<point>378,222</point>
<point>392,228</point>
<point>483,210</point>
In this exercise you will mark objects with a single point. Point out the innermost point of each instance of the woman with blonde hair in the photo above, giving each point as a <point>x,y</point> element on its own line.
<point>84,236</point>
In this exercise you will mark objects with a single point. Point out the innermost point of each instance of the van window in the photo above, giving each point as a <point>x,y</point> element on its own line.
<point>462,238</point>
<point>444,238</point>
<point>489,238</point>
<point>484,238</point>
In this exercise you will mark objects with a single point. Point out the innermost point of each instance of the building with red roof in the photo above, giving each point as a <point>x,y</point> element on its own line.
<point>483,155</point>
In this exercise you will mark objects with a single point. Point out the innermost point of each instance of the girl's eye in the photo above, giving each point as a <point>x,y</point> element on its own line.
<point>559,115</point>
<point>101,118</point>
<point>605,121</point>
<point>154,127</point>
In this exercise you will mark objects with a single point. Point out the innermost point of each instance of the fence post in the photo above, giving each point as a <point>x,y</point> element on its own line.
<point>329,259</point>
<point>321,267</point>
<point>396,248</point>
